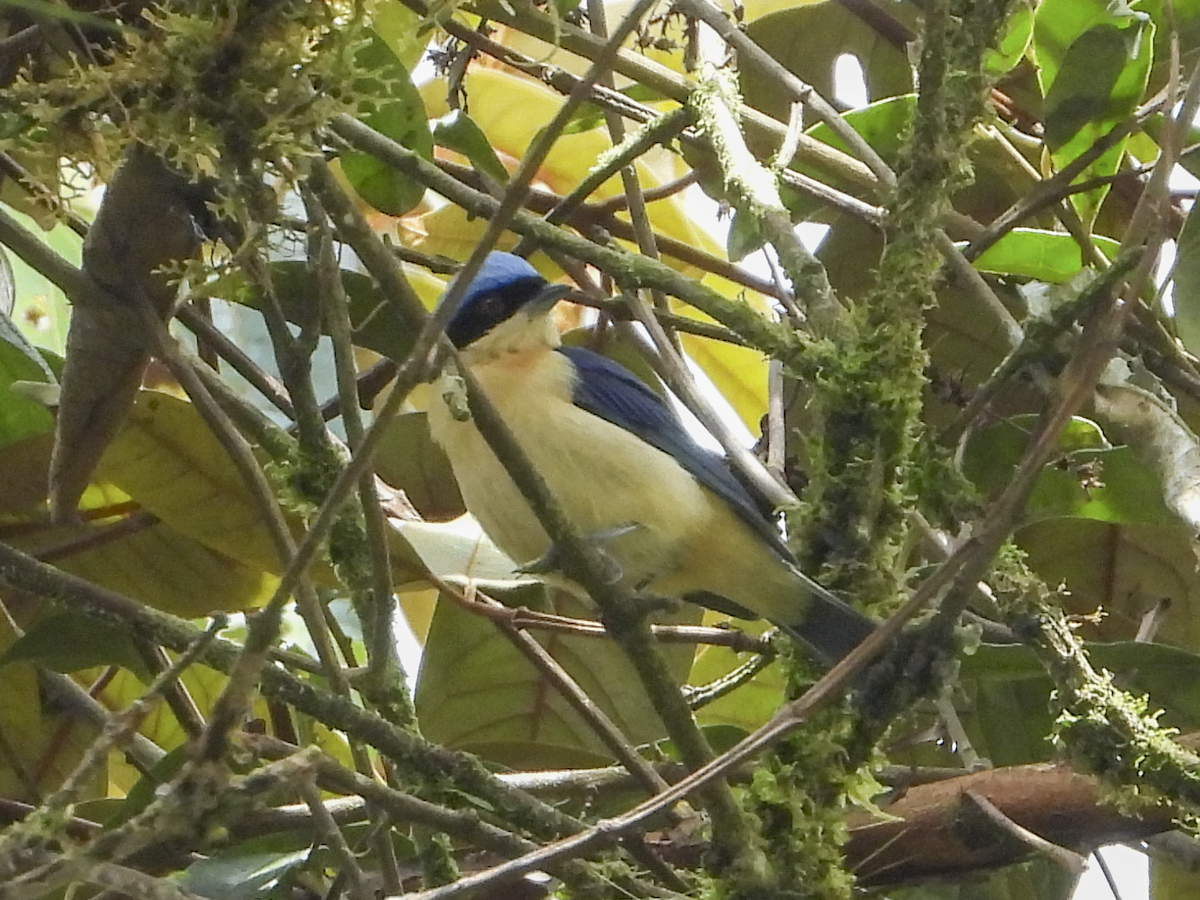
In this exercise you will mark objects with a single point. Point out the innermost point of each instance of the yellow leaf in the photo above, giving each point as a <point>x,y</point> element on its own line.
<point>174,573</point>
<point>738,373</point>
<point>40,748</point>
<point>170,463</point>
<point>156,565</point>
<point>512,108</point>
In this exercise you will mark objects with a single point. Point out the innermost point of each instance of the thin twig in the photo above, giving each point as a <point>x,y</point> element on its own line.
<point>328,831</point>
<point>387,680</point>
<point>566,686</point>
<point>260,380</point>
<point>19,571</point>
<point>1068,859</point>
<point>751,53</point>
<point>564,81</point>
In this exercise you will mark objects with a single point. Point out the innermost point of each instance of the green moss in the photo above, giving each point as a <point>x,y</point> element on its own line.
<point>1101,728</point>
<point>797,799</point>
<point>224,92</point>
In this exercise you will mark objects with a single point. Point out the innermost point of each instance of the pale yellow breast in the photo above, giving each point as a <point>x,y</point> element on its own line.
<point>602,476</point>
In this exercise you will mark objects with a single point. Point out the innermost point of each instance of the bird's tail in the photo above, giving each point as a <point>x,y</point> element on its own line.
<point>830,628</point>
<point>826,625</point>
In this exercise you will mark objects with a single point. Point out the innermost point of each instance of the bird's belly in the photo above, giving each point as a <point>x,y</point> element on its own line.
<point>602,477</point>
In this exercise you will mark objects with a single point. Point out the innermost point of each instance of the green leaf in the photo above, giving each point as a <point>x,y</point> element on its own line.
<point>69,641</point>
<point>745,237</point>
<point>477,692</point>
<point>1091,481</point>
<point>456,552</point>
<point>408,459</point>
<point>171,571</point>
<point>1126,570</point>
<point>458,132</point>
<point>808,39</point>
<point>399,116</point>
<point>1187,282</point>
<point>1089,72</point>
<point>1018,33</point>
<point>1170,880</point>
<point>882,124</point>
<point>1050,256</point>
<point>397,25</point>
<point>1174,21</point>
<point>751,704</point>
<point>1160,670</point>
<point>168,460</point>
<point>147,788</point>
<point>238,875</point>
<point>1154,127</point>
<point>21,416</point>
<point>42,312</point>
<point>1094,61</point>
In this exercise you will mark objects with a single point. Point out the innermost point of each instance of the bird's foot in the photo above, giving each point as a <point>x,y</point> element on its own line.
<point>552,560</point>
<point>656,604</point>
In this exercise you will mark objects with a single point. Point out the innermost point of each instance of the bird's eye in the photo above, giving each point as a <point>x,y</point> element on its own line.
<point>491,306</point>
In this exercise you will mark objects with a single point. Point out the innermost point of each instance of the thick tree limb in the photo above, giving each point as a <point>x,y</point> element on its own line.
<point>939,832</point>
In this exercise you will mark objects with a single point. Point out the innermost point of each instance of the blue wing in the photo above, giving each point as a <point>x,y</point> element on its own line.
<point>610,391</point>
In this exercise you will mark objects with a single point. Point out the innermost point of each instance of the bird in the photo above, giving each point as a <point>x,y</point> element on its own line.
<point>621,465</point>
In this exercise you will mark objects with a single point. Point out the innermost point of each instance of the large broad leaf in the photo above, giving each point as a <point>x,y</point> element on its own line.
<point>457,131</point>
<point>1171,881</point>
<point>376,323</point>
<point>400,28</point>
<point>156,564</point>
<point>882,124</point>
<point>999,179</point>
<point>173,572</point>
<point>168,460</point>
<point>751,704</point>
<point>476,692</point>
<point>1187,282</point>
<point>408,459</point>
<point>1096,522</point>
<point>398,114</point>
<point>1094,61</point>
<point>511,110</point>
<point>20,415</point>
<point>1050,256</point>
<point>1014,41</point>
<point>26,465</point>
<point>458,552</point>
<point>40,747</point>
<point>171,464</point>
<point>41,311</point>
<point>204,686</point>
<point>1175,21</point>
<point>1091,480</point>
<point>1169,675</point>
<point>738,373</point>
<point>1126,571</point>
<point>240,874</point>
<point>809,38</point>
<point>68,641</point>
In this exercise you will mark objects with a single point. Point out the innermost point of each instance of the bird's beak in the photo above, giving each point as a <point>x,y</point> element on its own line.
<point>546,298</point>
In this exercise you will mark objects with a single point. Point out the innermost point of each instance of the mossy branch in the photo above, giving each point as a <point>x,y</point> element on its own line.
<point>1111,732</point>
<point>754,191</point>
